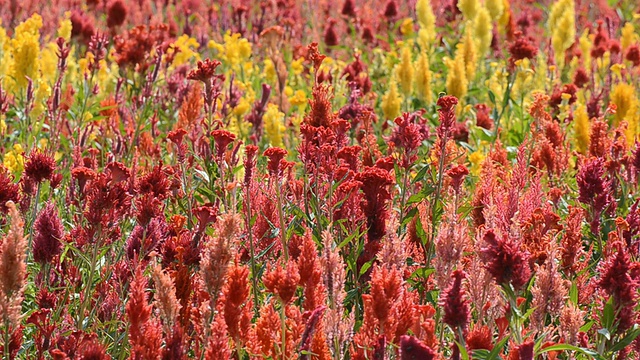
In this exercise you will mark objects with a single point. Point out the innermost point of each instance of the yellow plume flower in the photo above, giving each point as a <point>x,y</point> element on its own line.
<point>64,29</point>
<point>391,101</point>
<point>426,19</point>
<point>404,71</point>
<point>423,78</point>
<point>505,18</point>
<point>585,47</point>
<point>406,27</point>
<point>563,28</point>
<point>457,82</point>
<point>185,48</point>
<point>274,125</point>
<point>624,96</point>
<point>469,8</point>
<point>628,36</point>
<point>469,53</point>
<point>495,8</point>
<point>582,128</point>
<point>633,121</point>
<point>483,30</point>
<point>14,160</point>
<point>25,51</point>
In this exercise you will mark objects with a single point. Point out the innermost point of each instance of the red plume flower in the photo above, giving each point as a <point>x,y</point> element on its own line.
<point>39,167</point>
<point>49,232</point>
<point>456,308</point>
<point>505,261</point>
<point>413,349</point>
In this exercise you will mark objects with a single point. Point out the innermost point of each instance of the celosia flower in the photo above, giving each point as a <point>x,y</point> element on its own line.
<point>617,282</point>
<point>456,307</point>
<point>275,155</point>
<point>49,233</point>
<point>12,270</point>
<point>39,167</point>
<point>116,13</point>
<point>413,349</point>
<point>222,140</point>
<point>504,260</point>
<point>283,281</point>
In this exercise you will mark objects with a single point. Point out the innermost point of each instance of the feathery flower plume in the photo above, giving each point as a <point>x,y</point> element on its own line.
<point>13,270</point>
<point>413,349</point>
<point>166,297</point>
<point>616,281</point>
<point>456,307</point>
<point>217,253</point>
<point>49,233</point>
<point>283,281</point>
<point>39,167</point>
<point>504,260</point>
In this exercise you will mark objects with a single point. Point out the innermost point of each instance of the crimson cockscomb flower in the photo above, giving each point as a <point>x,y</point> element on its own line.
<point>407,136</point>
<point>594,189</point>
<point>617,281</point>
<point>633,54</point>
<point>39,167</point>
<point>456,308</point>
<point>349,9</point>
<point>482,117</point>
<point>523,351</point>
<point>413,349</point>
<point>330,36</point>
<point>237,308</point>
<point>49,232</point>
<point>480,338</point>
<point>522,48</point>
<point>205,71</point>
<point>390,10</point>
<point>375,185</point>
<point>505,261</point>
<point>116,13</point>
<point>275,155</point>
<point>457,175</point>
<point>9,191</point>
<point>250,152</point>
<point>222,139</point>
<point>446,115</point>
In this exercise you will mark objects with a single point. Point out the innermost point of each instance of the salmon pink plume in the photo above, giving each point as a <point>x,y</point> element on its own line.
<point>456,307</point>
<point>504,259</point>
<point>49,233</point>
<point>166,300</point>
<point>218,253</point>
<point>13,271</point>
<point>413,349</point>
<point>218,345</point>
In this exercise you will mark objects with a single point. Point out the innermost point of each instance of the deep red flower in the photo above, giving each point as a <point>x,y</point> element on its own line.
<point>523,47</point>
<point>391,10</point>
<point>205,71</point>
<point>581,78</point>
<point>413,349</point>
<point>49,233</point>
<point>9,191</point>
<point>446,114</point>
<point>505,261</point>
<point>275,155</point>
<point>480,338</point>
<point>116,13</point>
<point>39,167</point>
<point>456,308</point>
<point>222,139</point>
<point>349,9</point>
<point>482,117</point>
<point>375,185</point>
<point>617,282</point>
<point>249,163</point>
<point>633,54</point>
<point>457,175</point>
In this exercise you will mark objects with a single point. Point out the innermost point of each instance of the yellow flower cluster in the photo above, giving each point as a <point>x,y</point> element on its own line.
<point>274,125</point>
<point>563,28</point>
<point>234,50</point>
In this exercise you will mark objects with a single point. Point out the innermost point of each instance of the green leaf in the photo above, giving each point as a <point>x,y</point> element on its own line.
<point>567,347</point>
<point>365,267</point>
<point>631,335</point>
<point>573,293</point>
<point>605,333</point>
<point>464,355</point>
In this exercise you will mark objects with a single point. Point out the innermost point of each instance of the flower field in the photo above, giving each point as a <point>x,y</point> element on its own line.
<point>297,179</point>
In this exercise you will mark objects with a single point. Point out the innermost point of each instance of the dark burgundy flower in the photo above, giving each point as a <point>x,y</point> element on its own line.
<point>391,10</point>
<point>617,282</point>
<point>456,308</point>
<point>633,55</point>
<point>505,261</point>
<point>522,48</point>
<point>39,167</point>
<point>349,9</point>
<point>116,13</point>
<point>523,351</point>
<point>9,191</point>
<point>250,152</point>
<point>49,232</point>
<point>330,36</point>
<point>581,78</point>
<point>413,349</point>
<point>482,117</point>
